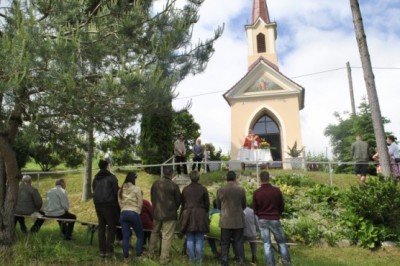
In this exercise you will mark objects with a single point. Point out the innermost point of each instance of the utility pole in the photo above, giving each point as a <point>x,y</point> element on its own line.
<point>371,89</point>
<point>353,106</point>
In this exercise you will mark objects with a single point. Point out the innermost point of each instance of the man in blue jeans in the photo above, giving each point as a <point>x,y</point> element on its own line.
<point>268,206</point>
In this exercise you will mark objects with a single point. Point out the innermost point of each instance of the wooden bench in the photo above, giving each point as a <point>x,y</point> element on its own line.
<point>91,227</point>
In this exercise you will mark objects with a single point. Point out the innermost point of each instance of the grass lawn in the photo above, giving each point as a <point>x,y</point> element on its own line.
<point>48,248</point>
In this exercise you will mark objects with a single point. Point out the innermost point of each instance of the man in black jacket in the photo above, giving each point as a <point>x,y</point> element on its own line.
<point>105,198</point>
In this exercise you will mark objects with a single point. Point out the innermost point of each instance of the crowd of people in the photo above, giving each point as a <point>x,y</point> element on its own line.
<point>361,156</point>
<point>230,221</point>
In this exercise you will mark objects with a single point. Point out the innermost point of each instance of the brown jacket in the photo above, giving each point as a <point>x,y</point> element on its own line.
<point>231,200</point>
<point>166,198</point>
<point>195,206</point>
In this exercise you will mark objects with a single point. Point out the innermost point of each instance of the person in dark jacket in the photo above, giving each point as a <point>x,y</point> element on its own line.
<point>166,199</point>
<point>29,203</point>
<point>231,200</point>
<point>268,206</point>
<point>105,198</point>
<point>194,217</point>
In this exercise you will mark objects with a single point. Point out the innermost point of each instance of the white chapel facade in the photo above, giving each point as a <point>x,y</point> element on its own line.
<point>264,99</point>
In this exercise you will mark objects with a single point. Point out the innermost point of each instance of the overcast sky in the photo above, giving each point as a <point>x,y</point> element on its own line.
<point>314,36</point>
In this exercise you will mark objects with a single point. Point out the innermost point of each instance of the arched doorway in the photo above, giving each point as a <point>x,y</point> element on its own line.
<point>266,128</point>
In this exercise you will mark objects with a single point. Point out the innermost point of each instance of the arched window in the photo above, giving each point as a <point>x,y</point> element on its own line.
<point>261,48</point>
<point>266,128</point>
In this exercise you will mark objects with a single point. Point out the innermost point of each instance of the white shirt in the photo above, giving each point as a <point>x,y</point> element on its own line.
<point>394,150</point>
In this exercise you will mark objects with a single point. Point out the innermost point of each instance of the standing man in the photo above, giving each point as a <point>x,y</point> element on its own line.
<point>29,202</point>
<point>166,198</point>
<point>57,206</point>
<point>359,151</point>
<point>180,154</point>
<point>231,200</point>
<point>105,198</point>
<point>268,206</point>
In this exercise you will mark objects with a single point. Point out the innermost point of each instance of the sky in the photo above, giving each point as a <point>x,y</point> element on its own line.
<point>315,40</point>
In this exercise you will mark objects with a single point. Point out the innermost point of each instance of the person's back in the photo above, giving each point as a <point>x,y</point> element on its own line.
<point>56,202</point>
<point>268,206</point>
<point>231,200</point>
<point>105,188</point>
<point>166,198</point>
<point>105,198</point>
<point>29,200</point>
<point>57,206</point>
<point>360,151</point>
<point>268,202</point>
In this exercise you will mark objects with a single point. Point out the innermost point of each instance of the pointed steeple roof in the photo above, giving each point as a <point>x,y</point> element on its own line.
<point>260,10</point>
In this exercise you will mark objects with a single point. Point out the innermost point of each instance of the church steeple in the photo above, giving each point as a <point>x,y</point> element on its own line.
<point>261,34</point>
<point>260,10</point>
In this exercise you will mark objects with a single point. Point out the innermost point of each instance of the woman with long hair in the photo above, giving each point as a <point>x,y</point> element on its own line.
<point>130,200</point>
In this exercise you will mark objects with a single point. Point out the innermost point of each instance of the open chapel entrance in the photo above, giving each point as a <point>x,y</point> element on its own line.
<point>266,128</point>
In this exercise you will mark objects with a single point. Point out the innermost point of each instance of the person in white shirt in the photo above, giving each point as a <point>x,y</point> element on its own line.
<point>57,206</point>
<point>393,148</point>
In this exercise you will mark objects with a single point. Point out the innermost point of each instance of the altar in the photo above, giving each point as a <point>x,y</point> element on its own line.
<point>254,155</point>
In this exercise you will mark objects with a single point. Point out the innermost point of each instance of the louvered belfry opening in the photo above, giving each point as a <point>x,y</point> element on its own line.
<point>261,43</point>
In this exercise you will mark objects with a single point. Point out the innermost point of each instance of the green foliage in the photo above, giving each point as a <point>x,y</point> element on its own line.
<point>343,134</point>
<point>122,148</point>
<point>315,162</point>
<point>22,149</point>
<point>304,230</point>
<point>250,188</point>
<point>324,193</point>
<point>184,123</point>
<point>214,154</point>
<point>156,143</point>
<point>295,180</point>
<point>293,151</point>
<point>376,201</point>
<point>363,232</point>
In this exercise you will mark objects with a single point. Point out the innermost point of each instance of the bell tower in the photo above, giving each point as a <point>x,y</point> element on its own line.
<point>261,35</point>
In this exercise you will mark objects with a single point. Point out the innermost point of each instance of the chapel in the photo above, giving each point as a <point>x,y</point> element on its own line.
<point>264,99</point>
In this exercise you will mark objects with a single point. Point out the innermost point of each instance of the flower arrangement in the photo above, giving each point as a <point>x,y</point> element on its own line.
<point>264,144</point>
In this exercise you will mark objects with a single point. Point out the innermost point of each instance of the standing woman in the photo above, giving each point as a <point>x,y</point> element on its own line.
<point>194,217</point>
<point>130,200</point>
<point>198,154</point>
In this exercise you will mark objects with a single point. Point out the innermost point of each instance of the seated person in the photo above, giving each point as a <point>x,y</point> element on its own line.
<point>29,202</point>
<point>250,231</point>
<point>57,206</point>
<point>146,216</point>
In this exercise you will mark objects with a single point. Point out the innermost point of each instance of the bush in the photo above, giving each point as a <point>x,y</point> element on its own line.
<point>375,201</point>
<point>295,180</point>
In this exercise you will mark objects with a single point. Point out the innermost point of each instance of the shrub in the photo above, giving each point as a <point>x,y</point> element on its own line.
<point>324,193</point>
<point>375,201</point>
<point>295,180</point>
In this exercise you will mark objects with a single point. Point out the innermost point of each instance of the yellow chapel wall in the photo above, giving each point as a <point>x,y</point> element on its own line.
<point>285,109</point>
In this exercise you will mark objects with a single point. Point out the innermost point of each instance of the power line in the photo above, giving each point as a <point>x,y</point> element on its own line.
<point>300,76</point>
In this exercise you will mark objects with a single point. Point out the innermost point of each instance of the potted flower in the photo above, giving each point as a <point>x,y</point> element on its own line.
<point>264,144</point>
<point>294,152</point>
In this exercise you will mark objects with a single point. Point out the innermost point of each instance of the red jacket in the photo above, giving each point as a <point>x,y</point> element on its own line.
<point>249,141</point>
<point>146,215</point>
<point>268,202</point>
